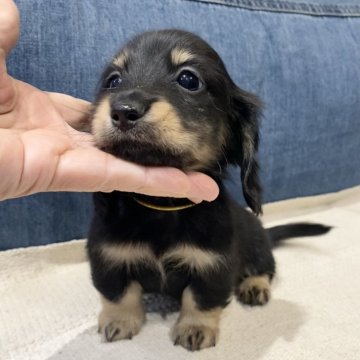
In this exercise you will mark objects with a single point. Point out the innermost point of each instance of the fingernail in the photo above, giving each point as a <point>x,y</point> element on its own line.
<point>196,200</point>
<point>208,191</point>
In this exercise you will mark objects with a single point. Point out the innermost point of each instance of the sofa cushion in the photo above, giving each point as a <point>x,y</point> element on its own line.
<point>301,57</point>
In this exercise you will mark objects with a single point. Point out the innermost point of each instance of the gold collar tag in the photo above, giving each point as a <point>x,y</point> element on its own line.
<point>163,208</point>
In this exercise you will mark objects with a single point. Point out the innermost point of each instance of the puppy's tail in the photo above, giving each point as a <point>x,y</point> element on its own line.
<point>282,232</point>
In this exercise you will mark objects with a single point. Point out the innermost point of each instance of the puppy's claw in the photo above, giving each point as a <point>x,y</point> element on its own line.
<point>195,337</point>
<point>111,332</point>
<point>120,330</point>
<point>254,297</point>
<point>177,341</point>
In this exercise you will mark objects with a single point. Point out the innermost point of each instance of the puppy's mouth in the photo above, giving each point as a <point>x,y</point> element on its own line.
<point>143,153</point>
<point>153,137</point>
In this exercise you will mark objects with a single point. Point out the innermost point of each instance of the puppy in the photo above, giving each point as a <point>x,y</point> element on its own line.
<point>166,99</point>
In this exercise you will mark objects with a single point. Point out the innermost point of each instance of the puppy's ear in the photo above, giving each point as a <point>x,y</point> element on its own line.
<point>244,114</point>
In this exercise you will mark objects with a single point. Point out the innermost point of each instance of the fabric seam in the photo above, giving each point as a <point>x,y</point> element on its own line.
<point>300,8</point>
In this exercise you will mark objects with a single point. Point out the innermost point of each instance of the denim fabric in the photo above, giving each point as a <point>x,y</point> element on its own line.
<point>44,218</point>
<point>305,68</point>
<point>310,7</point>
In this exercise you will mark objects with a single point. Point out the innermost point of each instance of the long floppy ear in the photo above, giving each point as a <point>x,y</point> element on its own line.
<point>244,139</point>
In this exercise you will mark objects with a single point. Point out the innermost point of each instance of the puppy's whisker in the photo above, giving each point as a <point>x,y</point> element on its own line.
<point>216,107</point>
<point>225,157</point>
<point>220,169</point>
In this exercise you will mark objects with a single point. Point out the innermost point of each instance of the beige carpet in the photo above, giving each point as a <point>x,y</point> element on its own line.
<point>48,307</point>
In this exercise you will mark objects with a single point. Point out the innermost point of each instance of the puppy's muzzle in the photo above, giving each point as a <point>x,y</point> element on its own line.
<point>125,116</point>
<point>129,108</point>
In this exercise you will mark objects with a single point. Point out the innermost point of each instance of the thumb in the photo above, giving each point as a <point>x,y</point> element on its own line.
<point>7,87</point>
<point>9,25</point>
<point>9,33</point>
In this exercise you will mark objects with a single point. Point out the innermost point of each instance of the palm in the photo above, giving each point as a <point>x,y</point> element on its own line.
<point>40,138</point>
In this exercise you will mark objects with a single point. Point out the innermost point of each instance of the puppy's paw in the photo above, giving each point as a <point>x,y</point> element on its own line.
<point>113,329</point>
<point>122,319</point>
<point>254,290</point>
<point>194,337</point>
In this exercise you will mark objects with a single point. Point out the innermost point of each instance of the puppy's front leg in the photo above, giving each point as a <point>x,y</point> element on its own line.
<point>196,328</point>
<point>122,319</point>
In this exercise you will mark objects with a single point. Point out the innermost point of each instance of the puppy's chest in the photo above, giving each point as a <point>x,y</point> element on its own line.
<point>163,249</point>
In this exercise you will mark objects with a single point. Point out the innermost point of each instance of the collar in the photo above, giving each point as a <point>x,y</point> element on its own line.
<point>162,207</point>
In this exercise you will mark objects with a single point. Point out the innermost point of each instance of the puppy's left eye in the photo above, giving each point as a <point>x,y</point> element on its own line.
<point>188,80</point>
<point>113,81</point>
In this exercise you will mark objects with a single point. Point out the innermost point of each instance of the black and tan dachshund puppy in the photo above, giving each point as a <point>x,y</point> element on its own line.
<point>166,99</point>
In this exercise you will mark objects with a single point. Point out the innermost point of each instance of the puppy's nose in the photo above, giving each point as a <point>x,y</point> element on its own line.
<point>125,116</point>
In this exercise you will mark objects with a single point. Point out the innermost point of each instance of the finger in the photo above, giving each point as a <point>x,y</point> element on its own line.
<point>89,169</point>
<point>202,185</point>
<point>9,25</point>
<point>7,87</point>
<point>195,186</point>
<point>9,33</point>
<point>74,111</point>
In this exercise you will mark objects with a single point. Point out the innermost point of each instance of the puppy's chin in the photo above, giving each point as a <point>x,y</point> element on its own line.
<point>145,154</point>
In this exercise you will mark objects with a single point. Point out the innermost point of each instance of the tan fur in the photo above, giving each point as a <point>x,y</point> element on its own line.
<point>173,135</point>
<point>196,329</point>
<point>121,59</point>
<point>101,123</point>
<point>248,145</point>
<point>164,117</point>
<point>127,254</point>
<point>131,255</point>
<point>195,258</point>
<point>180,56</point>
<point>255,290</point>
<point>122,319</point>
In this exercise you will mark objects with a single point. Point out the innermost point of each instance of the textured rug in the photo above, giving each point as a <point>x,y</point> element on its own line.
<point>48,307</point>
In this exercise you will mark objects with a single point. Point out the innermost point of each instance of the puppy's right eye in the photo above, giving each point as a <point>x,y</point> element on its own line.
<point>189,81</point>
<point>113,81</point>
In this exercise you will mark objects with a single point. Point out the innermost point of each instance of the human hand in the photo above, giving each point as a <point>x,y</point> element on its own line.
<point>42,150</point>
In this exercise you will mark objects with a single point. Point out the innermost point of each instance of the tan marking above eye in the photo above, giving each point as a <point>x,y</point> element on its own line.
<point>180,56</point>
<point>120,59</point>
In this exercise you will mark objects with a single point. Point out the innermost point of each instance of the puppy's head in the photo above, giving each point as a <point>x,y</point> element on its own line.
<point>166,99</point>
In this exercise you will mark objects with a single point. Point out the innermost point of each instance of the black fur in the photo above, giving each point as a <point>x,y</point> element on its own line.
<point>222,116</point>
<point>283,232</point>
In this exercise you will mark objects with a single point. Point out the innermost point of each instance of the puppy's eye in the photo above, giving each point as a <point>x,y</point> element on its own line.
<point>114,81</point>
<point>188,80</point>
